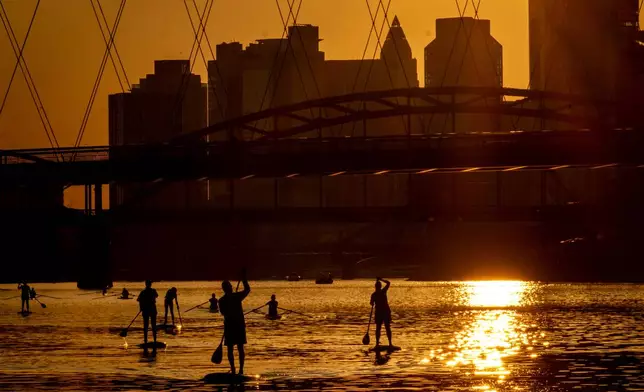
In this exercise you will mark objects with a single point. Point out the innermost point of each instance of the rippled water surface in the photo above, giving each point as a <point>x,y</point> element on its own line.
<point>503,336</point>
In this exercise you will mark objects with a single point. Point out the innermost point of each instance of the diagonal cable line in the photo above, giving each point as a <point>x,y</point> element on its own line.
<point>194,52</point>
<point>19,60</point>
<point>372,28</point>
<point>470,49</point>
<point>277,57</point>
<point>202,27</point>
<point>292,50</point>
<point>116,51</point>
<point>461,13</point>
<point>105,40</point>
<point>20,56</point>
<point>379,45</point>
<point>379,33</point>
<point>306,54</point>
<point>99,76</point>
<point>290,44</point>
<point>31,85</point>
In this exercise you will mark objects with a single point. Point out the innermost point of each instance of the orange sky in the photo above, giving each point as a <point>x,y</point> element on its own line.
<point>65,48</point>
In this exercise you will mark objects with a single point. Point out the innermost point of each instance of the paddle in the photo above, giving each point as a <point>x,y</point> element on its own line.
<point>366,339</point>
<point>254,310</point>
<point>107,296</point>
<point>218,355</point>
<point>195,307</point>
<point>293,311</point>
<point>42,305</point>
<point>48,296</point>
<point>123,333</point>
<point>92,293</point>
<point>179,311</point>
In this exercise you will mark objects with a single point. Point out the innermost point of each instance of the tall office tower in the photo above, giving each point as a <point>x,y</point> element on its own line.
<point>163,105</point>
<point>270,73</point>
<point>464,53</point>
<point>588,48</point>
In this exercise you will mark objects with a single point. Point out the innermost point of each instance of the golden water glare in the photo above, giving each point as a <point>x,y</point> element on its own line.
<point>495,333</point>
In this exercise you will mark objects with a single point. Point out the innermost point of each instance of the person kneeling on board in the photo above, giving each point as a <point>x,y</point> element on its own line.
<point>214,304</point>
<point>125,294</point>
<point>230,306</point>
<point>147,303</point>
<point>32,293</point>
<point>272,307</point>
<point>170,298</point>
<point>382,310</point>
<point>25,295</point>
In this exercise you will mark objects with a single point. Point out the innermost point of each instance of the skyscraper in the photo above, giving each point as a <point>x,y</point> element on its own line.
<point>586,47</point>
<point>275,72</point>
<point>464,53</point>
<point>163,105</point>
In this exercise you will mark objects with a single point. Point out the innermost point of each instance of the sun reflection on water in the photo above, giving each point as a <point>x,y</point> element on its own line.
<point>494,293</point>
<point>492,336</point>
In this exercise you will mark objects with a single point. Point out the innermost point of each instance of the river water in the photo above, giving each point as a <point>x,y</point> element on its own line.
<point>486,336</point>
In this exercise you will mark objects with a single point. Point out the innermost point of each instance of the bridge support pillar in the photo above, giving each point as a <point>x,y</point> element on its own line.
<point>98,198</point>
<point>88,199</point>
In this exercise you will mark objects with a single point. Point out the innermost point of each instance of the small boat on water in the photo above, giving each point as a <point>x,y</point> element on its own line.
<point>293,277</point>
<point>328,279</point>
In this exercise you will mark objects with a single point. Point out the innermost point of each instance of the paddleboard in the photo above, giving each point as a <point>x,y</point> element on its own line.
<point>227,378</point>
<point>24,314</point>
<point>124,298</point>
<point>279,317</point>
<point>388,349</point>
<point>152,345</point>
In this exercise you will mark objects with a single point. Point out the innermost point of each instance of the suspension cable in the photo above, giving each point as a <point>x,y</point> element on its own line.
<point>100,26</point>
<point>31,85</point>
<point>212,55</point>
<point>116,51</point>
<point>202,30</point>
<point>99,76</point>
<point>461,13</point>
<point>277,56</point>
<point>194,52</point>
<point>18,61</point>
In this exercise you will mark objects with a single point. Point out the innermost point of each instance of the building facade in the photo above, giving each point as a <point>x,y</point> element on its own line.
<point>271,73</point>
<point>464,53</point>
<point>163,105</point>
<point>588,48</point>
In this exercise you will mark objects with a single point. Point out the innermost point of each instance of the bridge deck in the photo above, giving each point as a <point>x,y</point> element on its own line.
<point>321,156</point>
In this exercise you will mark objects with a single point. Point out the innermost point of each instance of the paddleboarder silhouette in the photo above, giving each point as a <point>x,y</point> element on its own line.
<point>230,306</point>
<point>147,303</point>
<point>382,310</point>
<point>272,307</point>
<point>25,295</point>
<point>214,303</point>
<point>170,298</point>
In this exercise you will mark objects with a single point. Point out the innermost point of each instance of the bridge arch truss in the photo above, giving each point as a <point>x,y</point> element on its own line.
<point>416,107</point>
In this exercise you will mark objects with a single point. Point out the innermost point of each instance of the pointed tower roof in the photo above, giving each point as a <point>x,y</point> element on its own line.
<point>396,44</point>
<point>396,31</point>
